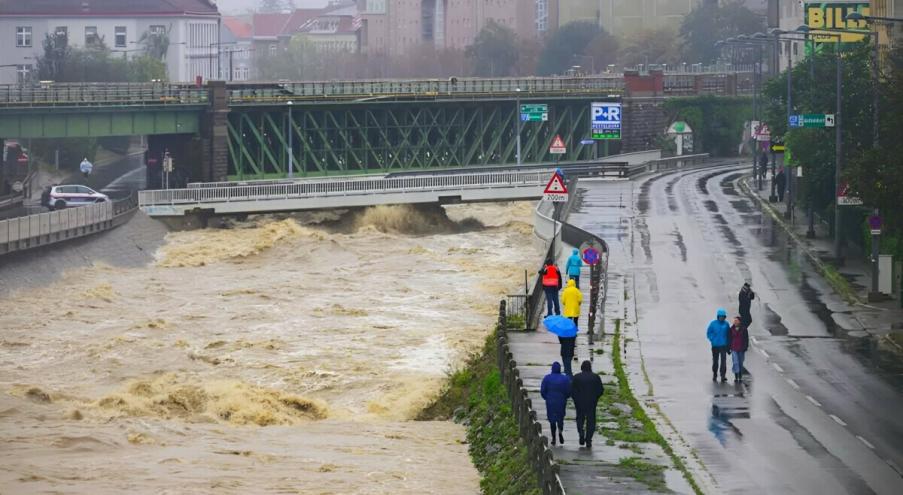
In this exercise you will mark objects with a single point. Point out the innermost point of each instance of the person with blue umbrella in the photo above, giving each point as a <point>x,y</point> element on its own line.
<point>556,389</point>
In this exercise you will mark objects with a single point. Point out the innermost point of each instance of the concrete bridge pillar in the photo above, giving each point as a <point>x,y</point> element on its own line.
<point>215,134</point>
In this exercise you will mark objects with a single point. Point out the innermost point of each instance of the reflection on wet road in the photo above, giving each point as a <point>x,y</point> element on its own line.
<point>814,414</point>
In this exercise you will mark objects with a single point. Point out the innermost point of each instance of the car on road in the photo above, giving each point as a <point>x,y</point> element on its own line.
<point>61,197</point>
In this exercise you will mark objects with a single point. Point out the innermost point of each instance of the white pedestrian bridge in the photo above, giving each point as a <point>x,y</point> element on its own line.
<point>347,192</point>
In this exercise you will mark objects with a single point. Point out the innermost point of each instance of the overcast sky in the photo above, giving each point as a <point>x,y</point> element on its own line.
<point>241,6</point>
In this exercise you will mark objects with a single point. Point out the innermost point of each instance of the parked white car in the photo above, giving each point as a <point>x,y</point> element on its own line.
<point>69,196</point>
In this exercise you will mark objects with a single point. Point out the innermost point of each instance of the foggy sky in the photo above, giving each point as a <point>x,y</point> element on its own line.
<point>242,6</point>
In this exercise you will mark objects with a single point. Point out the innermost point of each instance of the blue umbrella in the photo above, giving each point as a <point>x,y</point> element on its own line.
<point>560,326</point>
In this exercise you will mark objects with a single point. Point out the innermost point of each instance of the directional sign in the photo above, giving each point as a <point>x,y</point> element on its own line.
<point>875,224</point>
<point>812,120</point>
<point>534,112</point>
<point>591,256</point>
<point>587,142</point>
<point>557,146</point>
<point>556,190</point>
<point>605,120</point>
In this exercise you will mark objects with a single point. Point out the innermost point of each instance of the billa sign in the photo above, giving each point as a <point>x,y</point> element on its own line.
<point>826,16</point>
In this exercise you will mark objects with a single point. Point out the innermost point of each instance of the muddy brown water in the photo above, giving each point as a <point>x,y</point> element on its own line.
<point>281,355</point>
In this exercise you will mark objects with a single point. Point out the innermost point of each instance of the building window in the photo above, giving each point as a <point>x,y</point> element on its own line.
<point>61,31</point>
<point>23,73</point>
<point>120,36</point>
<point>23,36</point>
<point>91,35</point>
<point>157,30</point>
<point>272,49</point>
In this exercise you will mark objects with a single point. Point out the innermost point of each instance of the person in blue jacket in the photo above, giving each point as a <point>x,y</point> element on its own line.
<point>717,333</point>
<point>556,389</point>
<point>573,267</point>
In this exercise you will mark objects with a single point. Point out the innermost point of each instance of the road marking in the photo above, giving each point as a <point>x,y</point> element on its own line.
<point>764,353</point>
<point>893,465</point>
<point>838,420</point>
<point>777,367</point>
<point>817,403</point>
<point>866,442</point>
<point>793,383</point>
<point>755,340</point>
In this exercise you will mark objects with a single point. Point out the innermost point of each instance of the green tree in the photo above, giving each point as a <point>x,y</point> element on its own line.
<point>650,46</point>
<point>156,44</point>
<point>56,53</point>
<point>298,61</point>
<point>707,24</point>
<point>571,39</point>
<point>494,51</point>
<point>814,91</point>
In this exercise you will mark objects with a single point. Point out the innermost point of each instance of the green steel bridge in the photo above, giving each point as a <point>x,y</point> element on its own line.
<point>248,131</point>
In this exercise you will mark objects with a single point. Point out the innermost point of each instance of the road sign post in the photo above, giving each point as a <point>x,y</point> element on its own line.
<point>812,120</point>
<point>534,112</point>
<point>556,190</point>
<point>557,147</point>
<point>875,228</point>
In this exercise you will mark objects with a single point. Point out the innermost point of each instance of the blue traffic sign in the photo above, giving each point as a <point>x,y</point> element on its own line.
<point>605,120</point>
<point>795,121</point>
<point>591,256</point>
<point>587,141</point>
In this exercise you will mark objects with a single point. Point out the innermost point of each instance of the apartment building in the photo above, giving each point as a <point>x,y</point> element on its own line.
<point>192,27</point>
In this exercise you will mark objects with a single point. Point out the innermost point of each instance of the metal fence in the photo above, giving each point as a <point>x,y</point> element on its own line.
<point>321,188</point>
<point>19,234</point>
<point>100,94</point>
<point>538,450</point>
<point>465,87</point>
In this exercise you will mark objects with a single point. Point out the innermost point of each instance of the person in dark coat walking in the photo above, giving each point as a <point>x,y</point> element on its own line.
<point>745,298</point>
<point>586,389</point>
<point>738,343</point>
<point>781,184</point>
<point>568,344</point>
<point>555,389</point>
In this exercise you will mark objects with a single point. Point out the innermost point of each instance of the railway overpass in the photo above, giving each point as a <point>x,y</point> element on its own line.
<point>248,131</point>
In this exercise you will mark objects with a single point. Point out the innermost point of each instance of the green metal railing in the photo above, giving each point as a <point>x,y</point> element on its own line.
<point>100,94</point>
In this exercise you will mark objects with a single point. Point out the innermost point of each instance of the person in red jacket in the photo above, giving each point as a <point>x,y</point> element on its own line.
<point>738,343</point>
<point>551,283</point>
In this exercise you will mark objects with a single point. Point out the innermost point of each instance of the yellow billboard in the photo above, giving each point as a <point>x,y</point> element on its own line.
<point>827,16</point>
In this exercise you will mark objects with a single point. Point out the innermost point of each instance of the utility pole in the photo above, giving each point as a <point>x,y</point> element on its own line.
<point>518,125</point>
<point>787,171</point>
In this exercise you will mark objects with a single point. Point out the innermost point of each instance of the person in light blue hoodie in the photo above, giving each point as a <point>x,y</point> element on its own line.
<point>717,333</point>
<point>573,267</point>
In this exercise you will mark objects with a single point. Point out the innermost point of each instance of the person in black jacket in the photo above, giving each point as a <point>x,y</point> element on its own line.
<point>586,389</point>
<point>746,297</point>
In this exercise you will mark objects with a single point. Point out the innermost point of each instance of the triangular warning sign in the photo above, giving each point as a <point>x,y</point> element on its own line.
<point>556,185</point>
<point>557,142</point>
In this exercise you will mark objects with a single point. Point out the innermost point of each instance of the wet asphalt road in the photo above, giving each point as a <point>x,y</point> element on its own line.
<point>815,415</point>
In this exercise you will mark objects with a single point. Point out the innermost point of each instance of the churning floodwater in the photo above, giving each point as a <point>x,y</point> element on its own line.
<point>279,355</point>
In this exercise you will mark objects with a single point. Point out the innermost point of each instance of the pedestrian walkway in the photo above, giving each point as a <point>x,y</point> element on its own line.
<point>607,467</point>
<point>883,320</point>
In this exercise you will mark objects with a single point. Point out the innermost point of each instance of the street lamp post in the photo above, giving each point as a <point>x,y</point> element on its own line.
<point>291,148</point>
<point>519,117</point>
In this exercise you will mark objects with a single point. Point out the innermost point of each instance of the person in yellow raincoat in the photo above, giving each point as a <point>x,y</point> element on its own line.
<point>571,297</point>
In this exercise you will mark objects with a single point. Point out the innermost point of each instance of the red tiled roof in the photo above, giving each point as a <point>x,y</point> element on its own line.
<point>98,8</point>
<point>269,25</point>
<point>239,27</point>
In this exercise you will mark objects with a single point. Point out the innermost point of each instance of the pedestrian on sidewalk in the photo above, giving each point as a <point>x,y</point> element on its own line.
<point>571,298</point>
<point>575,264</point>
<point>738,343</point>
<point>551,284</point>
<point>745,298</point>
<point>586,389</point>
<point>717,334</point>
<point>555,389</point>
<point>781,184</point>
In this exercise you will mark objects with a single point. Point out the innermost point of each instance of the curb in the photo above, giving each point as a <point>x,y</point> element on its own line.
<point>816,262</point>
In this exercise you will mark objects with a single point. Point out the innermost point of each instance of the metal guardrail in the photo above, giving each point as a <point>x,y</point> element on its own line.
<point>538,451</point>
<point>22,233</point>
<point>100,94</point>
<point>665,164</point>
<point>460,88</point>
<point>314,189</point>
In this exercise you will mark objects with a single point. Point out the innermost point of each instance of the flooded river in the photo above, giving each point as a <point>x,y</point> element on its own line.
<point>281,355</point>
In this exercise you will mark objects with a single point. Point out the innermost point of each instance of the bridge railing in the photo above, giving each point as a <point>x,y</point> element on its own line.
<point>96,94</point>
<point>313,189</point>
<point>256,93</point>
